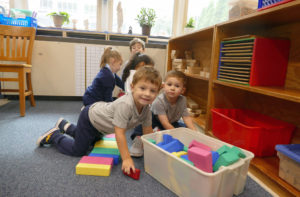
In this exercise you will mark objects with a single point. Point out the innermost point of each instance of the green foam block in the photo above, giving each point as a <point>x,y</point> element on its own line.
<point>112,151</point>
<point>238,151</point>
<point>223,149</point>
<point>225,160</point>
<point>152,141</point>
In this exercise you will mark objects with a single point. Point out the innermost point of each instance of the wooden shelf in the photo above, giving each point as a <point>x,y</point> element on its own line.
<point>270,167</point>
<point>282,103</point>
<point>200,121</point>
<point>196,76</point>
<point>278,92</point>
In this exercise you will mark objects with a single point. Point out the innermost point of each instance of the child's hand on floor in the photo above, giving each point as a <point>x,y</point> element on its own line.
<point>127,165</point>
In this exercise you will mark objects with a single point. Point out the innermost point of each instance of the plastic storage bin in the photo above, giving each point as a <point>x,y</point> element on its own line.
<point>24,22</point>
<point>186,180</point>
<point>265,4</point>
<point>250,130</point>
<point>289,165</point>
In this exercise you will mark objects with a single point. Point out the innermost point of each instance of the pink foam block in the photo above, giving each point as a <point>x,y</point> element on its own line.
<point>111,135</point>
<point>201,158</point>
<point>97,160</point>
<point>195,143</point>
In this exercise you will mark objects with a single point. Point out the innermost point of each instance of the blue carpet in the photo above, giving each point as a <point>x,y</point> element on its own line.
<point>26,170</point>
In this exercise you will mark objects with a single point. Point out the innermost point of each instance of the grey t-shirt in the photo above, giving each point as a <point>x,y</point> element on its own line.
<point>121,113</point>
<point>161,106</point>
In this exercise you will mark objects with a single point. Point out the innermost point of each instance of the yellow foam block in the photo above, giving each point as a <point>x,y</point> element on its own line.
<point>93,169</point>
<point>106,144</point>
<point>179,154</point>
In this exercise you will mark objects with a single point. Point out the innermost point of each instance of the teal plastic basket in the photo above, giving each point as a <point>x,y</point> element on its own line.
<point>24,22</point>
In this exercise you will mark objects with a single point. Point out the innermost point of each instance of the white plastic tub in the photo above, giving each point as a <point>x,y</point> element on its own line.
<point>186,180</point>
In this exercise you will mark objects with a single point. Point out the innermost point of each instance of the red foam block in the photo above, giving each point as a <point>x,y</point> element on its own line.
<point>133,175</point>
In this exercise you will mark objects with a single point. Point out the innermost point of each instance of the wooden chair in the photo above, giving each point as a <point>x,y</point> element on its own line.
<point>16,45</point>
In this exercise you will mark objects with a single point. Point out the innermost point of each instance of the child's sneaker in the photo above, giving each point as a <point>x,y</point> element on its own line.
<point>136,150</point>
<point>62,124</point>
<point>45,138</point>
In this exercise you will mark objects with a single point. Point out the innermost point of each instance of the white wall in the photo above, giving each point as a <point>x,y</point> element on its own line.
<point>53,66</point>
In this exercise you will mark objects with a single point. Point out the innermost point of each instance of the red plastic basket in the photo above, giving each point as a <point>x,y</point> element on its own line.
<point>250,130</point>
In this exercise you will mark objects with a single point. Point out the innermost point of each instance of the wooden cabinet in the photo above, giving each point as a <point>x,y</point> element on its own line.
<point>282,103</point>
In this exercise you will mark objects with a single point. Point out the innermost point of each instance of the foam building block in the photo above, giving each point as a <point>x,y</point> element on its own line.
<point>110,135</point>
<point>112,151</point>
<point>93,169</point>
<point>106,144</point>
<point>186,159</point>
<point>199,145</point>
<point>98,166</point>
<point>201,158</point>
<point>152,141</point>
<point>223,149</point>
<point>173,146</point>
<point>238,151</point>
<point>166,139</point>
<point>185,148</point>
<point>225,159</point>
<point>96,160</point>
<point>179,154</point>
<point>215,156</point>
<point>109,139</point>
<point>133,175</point>
<point>116,158</point>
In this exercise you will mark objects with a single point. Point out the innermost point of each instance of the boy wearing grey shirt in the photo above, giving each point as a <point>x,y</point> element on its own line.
<point>102,118</point>
<point>167,109</point>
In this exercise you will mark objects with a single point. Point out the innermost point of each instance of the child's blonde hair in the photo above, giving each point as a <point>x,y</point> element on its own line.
<point>136,40</point>
<point>177,74</point>
<point>147,73</point>
<point>109,52</point>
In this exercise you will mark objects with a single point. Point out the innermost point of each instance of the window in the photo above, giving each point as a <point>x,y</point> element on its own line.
<point>131,8</point>
<point>78,10</point>
<point>208,12</point>
<point>5,5</point>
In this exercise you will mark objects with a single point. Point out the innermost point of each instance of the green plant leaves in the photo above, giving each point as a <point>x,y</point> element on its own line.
<point>66,16</point>
<point>146,16</point>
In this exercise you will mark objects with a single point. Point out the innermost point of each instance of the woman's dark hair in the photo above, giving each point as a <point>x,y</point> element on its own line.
<point>134,61</point>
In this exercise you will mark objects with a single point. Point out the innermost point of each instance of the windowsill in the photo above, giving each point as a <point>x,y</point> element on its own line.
<point>70,35</point>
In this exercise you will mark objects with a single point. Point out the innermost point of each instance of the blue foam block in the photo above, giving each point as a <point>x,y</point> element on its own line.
<point>215,156</point>
<point>166,139</point>
<point>115,157</point>
<point>174,146</point>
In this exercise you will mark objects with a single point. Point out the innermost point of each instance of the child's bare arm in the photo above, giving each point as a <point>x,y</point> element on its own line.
<point>165,122</point>
<point>147,130</point>
<point>189,122</point>
<point>127,163</point>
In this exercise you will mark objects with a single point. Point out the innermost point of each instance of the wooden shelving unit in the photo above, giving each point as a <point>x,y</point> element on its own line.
<point>282,103</point>
<point>200,43</point>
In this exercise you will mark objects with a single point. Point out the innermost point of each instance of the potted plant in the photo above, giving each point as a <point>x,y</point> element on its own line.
<point>146,19</point>
<point>190,26</point>
<point>60,18</point>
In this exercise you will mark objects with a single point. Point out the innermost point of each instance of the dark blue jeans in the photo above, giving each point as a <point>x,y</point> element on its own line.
<point>138,131</point>
<point>83,135</point>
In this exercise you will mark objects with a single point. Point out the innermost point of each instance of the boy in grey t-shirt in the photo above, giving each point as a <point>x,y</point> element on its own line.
<point>167,109</point>
<point>102,118</point>
<point>170,105</point>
